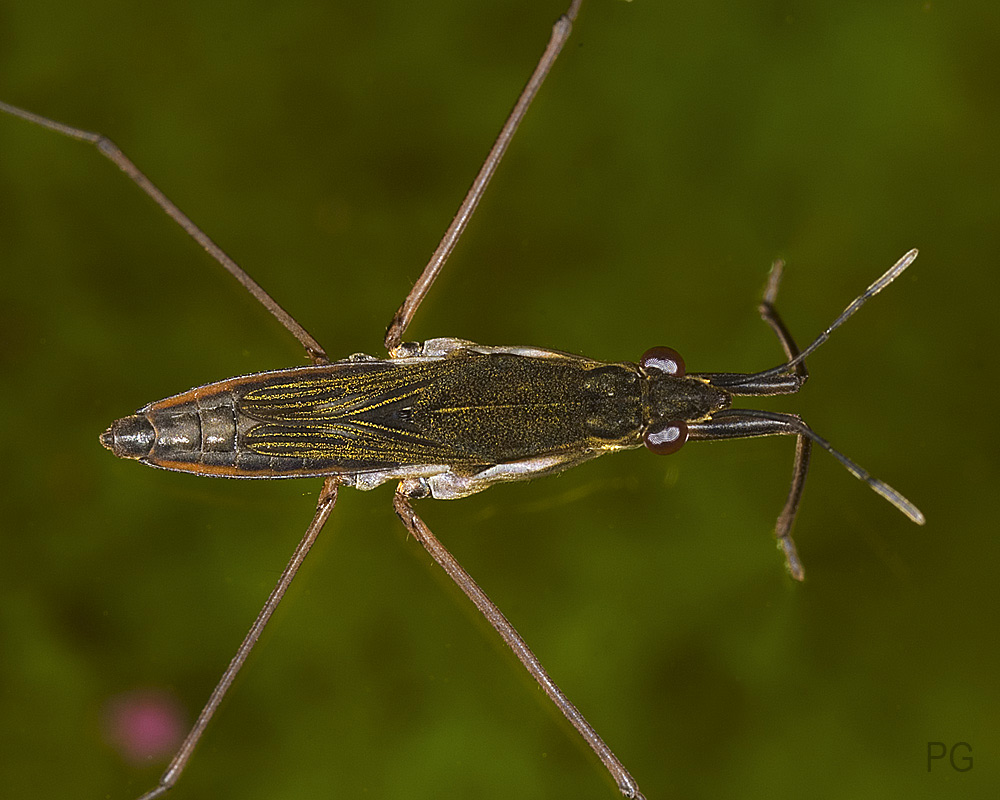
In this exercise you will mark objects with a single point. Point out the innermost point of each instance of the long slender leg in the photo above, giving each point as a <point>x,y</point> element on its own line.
<point>111,151</point>
<point>560,33</point>
<point>416,526</point>
<point>327,499</point>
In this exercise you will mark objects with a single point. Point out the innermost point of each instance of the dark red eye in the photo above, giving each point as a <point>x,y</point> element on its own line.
<point>662,359</point>
<point>666,438</point>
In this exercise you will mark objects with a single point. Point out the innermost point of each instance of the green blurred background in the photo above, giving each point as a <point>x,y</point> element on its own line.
<point>676,150</point>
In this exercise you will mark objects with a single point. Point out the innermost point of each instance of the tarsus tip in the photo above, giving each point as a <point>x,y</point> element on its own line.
<point>792,562</point>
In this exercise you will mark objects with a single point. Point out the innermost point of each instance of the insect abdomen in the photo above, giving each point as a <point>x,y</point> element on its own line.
<point>198,432</point>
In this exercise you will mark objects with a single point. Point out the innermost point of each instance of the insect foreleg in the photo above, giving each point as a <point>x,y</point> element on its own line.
<point>803,445</point>
<point>418,528</point>
<point>741,423</point>
<point>770,315</point>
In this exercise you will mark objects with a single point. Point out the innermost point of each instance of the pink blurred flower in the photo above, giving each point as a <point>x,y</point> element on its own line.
<point>144,725</point>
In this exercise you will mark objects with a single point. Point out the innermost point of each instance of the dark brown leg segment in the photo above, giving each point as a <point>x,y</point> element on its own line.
<point>114,153</point>
<point>416,526</point>
<point>327,499</point>
<point>402,317</point>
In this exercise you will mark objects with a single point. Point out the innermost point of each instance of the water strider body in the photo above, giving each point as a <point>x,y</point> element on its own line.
<point>447,418</point>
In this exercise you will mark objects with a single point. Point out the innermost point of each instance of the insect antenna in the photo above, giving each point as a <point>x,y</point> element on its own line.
<point>878,486</point>
<point>789,423</point>
<point>888,277</point>
<point>788,378</point>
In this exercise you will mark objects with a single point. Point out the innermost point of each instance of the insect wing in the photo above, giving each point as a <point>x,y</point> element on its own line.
<point>352,417</point>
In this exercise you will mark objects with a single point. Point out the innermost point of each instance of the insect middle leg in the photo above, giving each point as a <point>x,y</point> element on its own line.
<point>401,319</point>
<point>418,528</point>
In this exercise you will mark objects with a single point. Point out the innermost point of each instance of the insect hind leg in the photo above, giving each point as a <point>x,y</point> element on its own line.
<point>324,506</point>
<point>114,153</point>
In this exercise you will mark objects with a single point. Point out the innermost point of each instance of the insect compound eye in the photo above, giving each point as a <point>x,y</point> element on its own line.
<point>666,438</point>
<point>664,360</point>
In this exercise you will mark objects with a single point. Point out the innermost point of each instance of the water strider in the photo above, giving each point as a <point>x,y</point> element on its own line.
<point>447,418</point>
